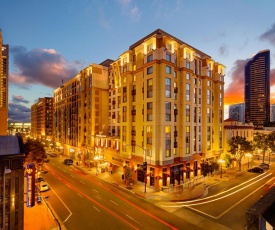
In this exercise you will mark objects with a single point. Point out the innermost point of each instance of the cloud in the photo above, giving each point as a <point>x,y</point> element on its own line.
<point>130,9</point>
<point>235,91</point>
<point>19,113</point>
<point>223,50</point>
<point>41,66</point>
<point>269,35</point>
<point>19,99</point>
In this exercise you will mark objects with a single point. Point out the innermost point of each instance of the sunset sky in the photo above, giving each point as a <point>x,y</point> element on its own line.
<point>54,39</point>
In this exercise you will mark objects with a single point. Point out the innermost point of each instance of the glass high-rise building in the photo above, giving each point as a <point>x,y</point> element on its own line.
<point>236,112</point>
<point>4,72</point>
<point>257,89</point>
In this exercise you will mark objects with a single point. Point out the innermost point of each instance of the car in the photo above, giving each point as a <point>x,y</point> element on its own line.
<point>46,160</point>
<point>45,171</point>
<point>256,170</point>
<point>264,166</point>
<point>68,161</point>
<point>40,179</point>
<point>39,199</point>
<point>44,188</point>
<point>54,155</point>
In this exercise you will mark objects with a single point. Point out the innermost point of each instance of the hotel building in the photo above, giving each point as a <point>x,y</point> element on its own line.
<point>4,81</point>
<point>257,89</point>
<point>12,182</point>
<point>160,102</point>
<point>42,119</point>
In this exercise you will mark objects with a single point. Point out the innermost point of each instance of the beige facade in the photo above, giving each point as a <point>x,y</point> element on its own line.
<point>42,119</point>
<point>81,111</point>
<point>4,73</point>
<point>160,102</point>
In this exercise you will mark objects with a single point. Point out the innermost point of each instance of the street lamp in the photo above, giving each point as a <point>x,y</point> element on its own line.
<point>221,161</point>
<point>144,166</point>
<point>248,156</point>
<point>4,197</point>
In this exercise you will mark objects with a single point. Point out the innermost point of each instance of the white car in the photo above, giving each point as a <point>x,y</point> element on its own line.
<point>44,188</point>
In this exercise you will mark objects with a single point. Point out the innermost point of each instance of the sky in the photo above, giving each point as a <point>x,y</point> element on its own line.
<point>53,40</point>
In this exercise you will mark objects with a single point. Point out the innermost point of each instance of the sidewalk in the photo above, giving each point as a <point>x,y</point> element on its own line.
<point>197,190</point>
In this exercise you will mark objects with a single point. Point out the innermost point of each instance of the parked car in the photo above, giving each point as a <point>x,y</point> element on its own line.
<point>68,161</point>
<point>256,170</point>
<point>40,179</point>
<point>44,188</point>
<point>39,199</point>
<point>264,166</point>
<point>46,160</point>
<point>54,155</point>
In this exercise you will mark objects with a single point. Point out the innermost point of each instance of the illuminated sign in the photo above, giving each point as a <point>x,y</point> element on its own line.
<point>30,194</point>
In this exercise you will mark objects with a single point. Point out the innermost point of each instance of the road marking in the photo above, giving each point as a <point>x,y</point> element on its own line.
<point>79,195</point>
<point>82,182</point>
<point>69,186</point>
<point>64,170</point>
<point>95,190</point>
<point>113,202</point>
<point>132,219</point>
<point>96,209</point>
<point>73,176</point>
<point>63,204</point>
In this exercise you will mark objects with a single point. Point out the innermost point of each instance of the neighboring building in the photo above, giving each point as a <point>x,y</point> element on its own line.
<point>4,83</point>
<point>42,119</point>
<point>81,111</point>
<point>18,127</point>
<point>233,128</point>
<point>12,181</point>
<point>257,89</point>
<point>236,112</point>
<point>272,112</point>
<point>161,102</point>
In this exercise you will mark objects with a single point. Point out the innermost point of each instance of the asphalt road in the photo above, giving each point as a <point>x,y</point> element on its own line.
<point>87,202</point>
<point>226,202</point>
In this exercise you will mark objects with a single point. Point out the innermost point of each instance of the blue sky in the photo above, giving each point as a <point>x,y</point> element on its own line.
<point>54,39</point>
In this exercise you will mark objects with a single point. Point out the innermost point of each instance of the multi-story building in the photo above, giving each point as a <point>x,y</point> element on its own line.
<point>81,111</point>
<point>24,128</point>
<point>12,182</point>
<point>42,119</point>
<point>164,106</point>
<point>4,81</point>
<point>272,112</point>
<point>236,112</point>
<point>257,89</point>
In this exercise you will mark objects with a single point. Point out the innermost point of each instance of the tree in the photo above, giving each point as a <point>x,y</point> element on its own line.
<point>128,174</point>
<point>238,147</point>
<point>34,151</point>
<point>264,142</point>
<point>227,160</point>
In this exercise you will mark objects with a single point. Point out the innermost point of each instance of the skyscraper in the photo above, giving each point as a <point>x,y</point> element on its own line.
<point>4,73</point>
<point>257,89</point>
<point>236,112</point>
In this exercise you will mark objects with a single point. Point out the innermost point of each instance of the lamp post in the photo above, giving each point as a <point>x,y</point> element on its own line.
<point>4,197</point>
<point>248,156</point>
<point>221,162</point>
<point>144,165</point>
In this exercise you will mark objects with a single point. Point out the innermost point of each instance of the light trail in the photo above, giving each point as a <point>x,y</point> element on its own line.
<point>121,197</point>
<point>219,198</point>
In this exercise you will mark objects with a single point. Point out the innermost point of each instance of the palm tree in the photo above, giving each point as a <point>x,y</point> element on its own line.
<point>238,147</point>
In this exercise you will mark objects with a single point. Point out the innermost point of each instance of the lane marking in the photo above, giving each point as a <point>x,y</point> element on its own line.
<point>82,182</point>
<point>96,208</point>
<point>79,195</point>
<point>113,202</point>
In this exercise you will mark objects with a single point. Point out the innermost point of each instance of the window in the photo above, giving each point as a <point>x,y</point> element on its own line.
<point>150,70</point>
<point>150,88</point>
<point>150,58</point>
<point>168,69</point>
<point>187,111</point>
<point>175,74</point>
<point>168,87</point>
<point>167,111</point>
<point>168,56</point>
<point>149,111</point>
<point>150,47</point>
<point>187,76</point>
<point>187,92</point>
<point>208,97</point>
